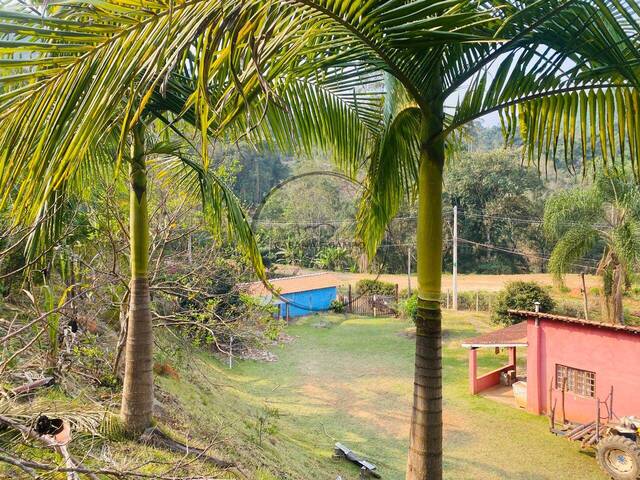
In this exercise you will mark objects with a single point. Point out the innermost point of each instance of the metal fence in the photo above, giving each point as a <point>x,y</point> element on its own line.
<point>372,305</point>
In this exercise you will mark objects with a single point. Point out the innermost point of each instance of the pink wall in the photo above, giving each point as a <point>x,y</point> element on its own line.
<point>488,380</point>
<point>613,355</point>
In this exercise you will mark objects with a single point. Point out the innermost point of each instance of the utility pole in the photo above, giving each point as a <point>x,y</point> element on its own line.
<point>455,257</point>
<point>409,269</point>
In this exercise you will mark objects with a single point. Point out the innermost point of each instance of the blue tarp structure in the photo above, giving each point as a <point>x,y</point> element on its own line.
<point>300,295</point>
<point>310,301</point>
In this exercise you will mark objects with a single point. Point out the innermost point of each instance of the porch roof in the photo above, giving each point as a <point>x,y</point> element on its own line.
<point>511,336</point>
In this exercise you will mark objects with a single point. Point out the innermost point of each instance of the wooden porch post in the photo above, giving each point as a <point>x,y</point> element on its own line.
<point>473,370</point>
<point>512,356</point>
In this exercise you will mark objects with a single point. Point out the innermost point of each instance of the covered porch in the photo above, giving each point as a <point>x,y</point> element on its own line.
<point>509,338</point>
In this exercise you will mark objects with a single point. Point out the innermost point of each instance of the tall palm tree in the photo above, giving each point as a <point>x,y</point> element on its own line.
<point>302,72</point>
<point>557,69</point>
<point>62,118</point>
<point>605,214</point>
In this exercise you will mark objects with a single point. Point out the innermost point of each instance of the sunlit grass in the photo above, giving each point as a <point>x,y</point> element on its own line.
<point>349,379</point>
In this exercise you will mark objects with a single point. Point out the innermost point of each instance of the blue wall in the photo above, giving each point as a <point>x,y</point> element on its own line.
<point>309,302</point>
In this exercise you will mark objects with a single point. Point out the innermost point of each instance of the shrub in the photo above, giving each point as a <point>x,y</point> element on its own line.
<point>334,258</point>
<point>409,307</point>
<point>570,308</point>
<point>337,306</point>
<point>375,287</point>
<point>520,296</point>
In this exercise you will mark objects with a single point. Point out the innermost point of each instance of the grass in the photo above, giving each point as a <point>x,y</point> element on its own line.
<point>349,379</point>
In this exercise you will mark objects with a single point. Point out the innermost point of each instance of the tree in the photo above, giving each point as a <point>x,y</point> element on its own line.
<point>302,71</point>
<point>603,216</point>
<point>255,170</point>
<point>520,296</point>
<point>490,189</point>
<point>60,119</point>
<point>552,66</point>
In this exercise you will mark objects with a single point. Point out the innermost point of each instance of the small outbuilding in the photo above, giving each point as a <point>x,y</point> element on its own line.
<point>583,366</point>
<point>298,295</point>
<point>509,338</point>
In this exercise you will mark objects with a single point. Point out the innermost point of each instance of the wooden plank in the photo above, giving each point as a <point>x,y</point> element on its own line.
<point>581,432</point>
<point>575,429</point>
<point>343,451</point>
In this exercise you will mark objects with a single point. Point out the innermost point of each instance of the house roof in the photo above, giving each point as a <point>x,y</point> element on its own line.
<point>299,283</point>
<point>511,336</point>
<point>576,321</point>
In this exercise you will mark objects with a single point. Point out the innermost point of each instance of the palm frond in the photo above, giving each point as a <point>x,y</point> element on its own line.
<point>626,243</point>
<point>572,246</point>
<point>393,167</point>
<point>60,109</point>
<point>578,207</point>
<point>222,209</point>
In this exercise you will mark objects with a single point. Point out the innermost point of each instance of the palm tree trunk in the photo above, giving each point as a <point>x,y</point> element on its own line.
<point>425,451</point>
<point>137,395</point>
<point>616,294</point>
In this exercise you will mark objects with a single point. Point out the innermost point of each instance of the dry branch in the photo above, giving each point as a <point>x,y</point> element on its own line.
<point>153,436</point>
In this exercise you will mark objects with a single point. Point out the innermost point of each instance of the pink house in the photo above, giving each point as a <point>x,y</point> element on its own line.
<point>594,361</point>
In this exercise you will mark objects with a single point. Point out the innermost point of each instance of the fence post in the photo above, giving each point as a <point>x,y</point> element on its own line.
<point>350,306</point>
<point>477,301</point>
<point>447,299</point>
<point>397,294</point>
<point>375,310</point>
<point>409,270</point>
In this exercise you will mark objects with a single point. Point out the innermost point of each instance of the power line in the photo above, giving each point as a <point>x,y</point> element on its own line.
<point>531,221</point>
<point>463,212</point>
<point>518,252</point>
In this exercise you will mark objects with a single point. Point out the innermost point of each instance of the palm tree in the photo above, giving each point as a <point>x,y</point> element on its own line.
<point>56,128</point>
<point>607,215</point>
<point>550,67</point>
<point>302,72</point>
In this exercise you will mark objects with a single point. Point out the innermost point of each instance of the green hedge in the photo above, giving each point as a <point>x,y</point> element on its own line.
<point>375,287</point>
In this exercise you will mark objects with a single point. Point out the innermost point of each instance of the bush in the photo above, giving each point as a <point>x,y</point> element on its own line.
<point>520,296</point>
<point>338,306</point>
<point>375,287</point>
<point>634,291</point>
<point>570,308</point>
<point>409,307</point>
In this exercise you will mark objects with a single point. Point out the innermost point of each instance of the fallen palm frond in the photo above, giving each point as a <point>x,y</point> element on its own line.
<point>85,422</point>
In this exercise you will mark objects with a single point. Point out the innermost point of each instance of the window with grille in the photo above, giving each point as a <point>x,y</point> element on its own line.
<point>581,382</point>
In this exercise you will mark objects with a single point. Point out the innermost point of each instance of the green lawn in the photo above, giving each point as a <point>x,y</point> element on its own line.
<point>349,379</point>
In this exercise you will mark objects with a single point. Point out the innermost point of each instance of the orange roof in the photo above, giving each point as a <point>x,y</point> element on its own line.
<point>299,283</point>
<point>511,336</point>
